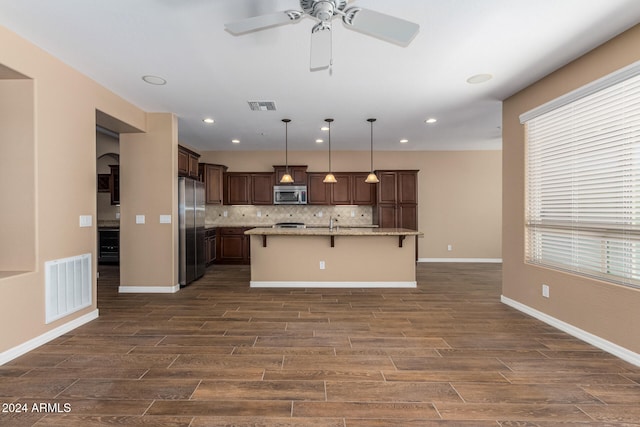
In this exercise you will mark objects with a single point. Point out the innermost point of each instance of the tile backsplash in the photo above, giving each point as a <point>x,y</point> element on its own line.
<point>254,215</point>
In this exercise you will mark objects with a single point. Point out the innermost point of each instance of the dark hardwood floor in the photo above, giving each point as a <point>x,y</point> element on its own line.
<point>221,354</point>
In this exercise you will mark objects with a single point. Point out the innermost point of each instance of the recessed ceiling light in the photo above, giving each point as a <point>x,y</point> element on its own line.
<point>479,78</point>
<point>208,120</point>
<point>235,141</point>
<point>154,80</point>
<point>324,128</point>
<point>431,121</point>
<point>319,141</point>
<point>404,141</point>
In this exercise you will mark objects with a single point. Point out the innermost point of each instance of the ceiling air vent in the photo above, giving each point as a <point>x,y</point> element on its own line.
<point>262,105</point>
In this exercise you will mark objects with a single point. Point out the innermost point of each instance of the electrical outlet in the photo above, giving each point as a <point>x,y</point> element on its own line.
<point>225,214</point>
<point>449,248</point>
<point>545,291</point>
<point>320,214</point>
<point>353,213</point>
<point>321,265</point>
<point>259,214</point>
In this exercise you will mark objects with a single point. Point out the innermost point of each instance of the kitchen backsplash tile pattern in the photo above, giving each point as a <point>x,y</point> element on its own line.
<point>268,215</point>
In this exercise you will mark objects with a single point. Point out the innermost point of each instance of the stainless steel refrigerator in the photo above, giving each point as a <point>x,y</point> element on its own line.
<point>191,213</point>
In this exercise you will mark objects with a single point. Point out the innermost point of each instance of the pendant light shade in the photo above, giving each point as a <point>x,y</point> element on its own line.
<point>330,178</point>
<point>372,178</point>
<point>286,178</point>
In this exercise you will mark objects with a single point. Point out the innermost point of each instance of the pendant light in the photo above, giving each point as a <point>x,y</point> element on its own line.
<point>329,179</point>
<point>286,178</point>
<point>372,178</point>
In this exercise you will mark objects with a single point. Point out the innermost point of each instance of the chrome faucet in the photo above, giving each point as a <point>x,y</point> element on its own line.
<point>331,221</point>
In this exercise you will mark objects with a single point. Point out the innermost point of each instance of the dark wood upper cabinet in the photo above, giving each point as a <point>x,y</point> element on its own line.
<point>187,162</point>
<point>237,189</point>
<point>407,187</point>
<point>212,176</point>
<point>248,188</point>
<point>349,190</point>
<point>262,188</point>
<point>362,192</point>
<point>341,190</point>
<point>318,193</point>
<point>298,173</point>
<point>114,184</point>
<point>387,187</point>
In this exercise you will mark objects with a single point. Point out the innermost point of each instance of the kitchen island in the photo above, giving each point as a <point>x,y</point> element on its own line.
<point>339,258</point>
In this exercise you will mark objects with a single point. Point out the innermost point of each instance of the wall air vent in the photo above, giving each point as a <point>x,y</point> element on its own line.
<point>262,105</point>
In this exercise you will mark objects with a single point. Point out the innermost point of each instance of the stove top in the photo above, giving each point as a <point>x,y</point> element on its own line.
<point>289,225</point>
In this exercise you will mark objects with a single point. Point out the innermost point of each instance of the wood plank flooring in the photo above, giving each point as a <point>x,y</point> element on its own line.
<point>221,354</point>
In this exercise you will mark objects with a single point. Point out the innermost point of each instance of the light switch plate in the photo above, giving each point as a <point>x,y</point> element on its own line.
<point>86,220</point>
<point>165,219</point>
<point>139,219</point>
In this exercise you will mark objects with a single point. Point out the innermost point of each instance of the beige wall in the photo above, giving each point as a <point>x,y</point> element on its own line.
<point>459,200</point>
<point>364,259</point>
<point>149,187</point>
<point>17,175</point>
<point>602,309</point>
<point>56,168</point>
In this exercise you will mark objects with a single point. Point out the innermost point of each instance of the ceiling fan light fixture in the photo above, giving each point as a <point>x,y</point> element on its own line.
<point>369,22</point>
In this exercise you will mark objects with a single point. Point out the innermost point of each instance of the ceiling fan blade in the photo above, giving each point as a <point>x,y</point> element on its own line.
<point>321,46</point>
<point>385,27</point>
<point>263,21</point>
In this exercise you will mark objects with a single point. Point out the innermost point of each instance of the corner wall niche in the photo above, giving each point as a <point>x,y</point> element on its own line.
<point>17,159</point>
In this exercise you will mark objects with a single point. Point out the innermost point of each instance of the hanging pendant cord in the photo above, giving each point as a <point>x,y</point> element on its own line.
<point>371,122</point>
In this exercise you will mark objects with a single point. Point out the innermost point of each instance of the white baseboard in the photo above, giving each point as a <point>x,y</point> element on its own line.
<point>485,260</point>
<point>149,289</point>
<point>36,342</point>
<point>274,284</point>
<point>621,352</point>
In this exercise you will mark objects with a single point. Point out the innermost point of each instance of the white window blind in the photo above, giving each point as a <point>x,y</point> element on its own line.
<point>583,182</point>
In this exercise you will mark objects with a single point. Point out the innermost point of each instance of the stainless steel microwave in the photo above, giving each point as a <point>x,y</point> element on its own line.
<point>289,194</point>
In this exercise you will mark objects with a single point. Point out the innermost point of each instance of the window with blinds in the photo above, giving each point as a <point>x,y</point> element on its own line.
<point>583,180</point>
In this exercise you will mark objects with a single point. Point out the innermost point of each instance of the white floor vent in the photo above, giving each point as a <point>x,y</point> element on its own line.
<point>67,286</point>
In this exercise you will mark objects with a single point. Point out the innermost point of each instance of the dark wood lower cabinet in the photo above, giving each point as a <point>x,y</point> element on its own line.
<point>210,246</point>
<point>233,246</point>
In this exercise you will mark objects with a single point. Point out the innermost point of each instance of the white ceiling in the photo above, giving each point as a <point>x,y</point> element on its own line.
<point>211,73</point>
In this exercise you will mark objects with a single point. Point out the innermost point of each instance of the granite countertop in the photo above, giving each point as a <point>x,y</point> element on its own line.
<point>108,223</point>
<point>341,231</point>
<point>270,225</point>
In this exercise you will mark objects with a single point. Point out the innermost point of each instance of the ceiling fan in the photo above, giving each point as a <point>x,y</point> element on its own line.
<point>372,23</point>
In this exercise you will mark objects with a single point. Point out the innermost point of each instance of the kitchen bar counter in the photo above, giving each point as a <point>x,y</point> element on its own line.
<point>345,257</point>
